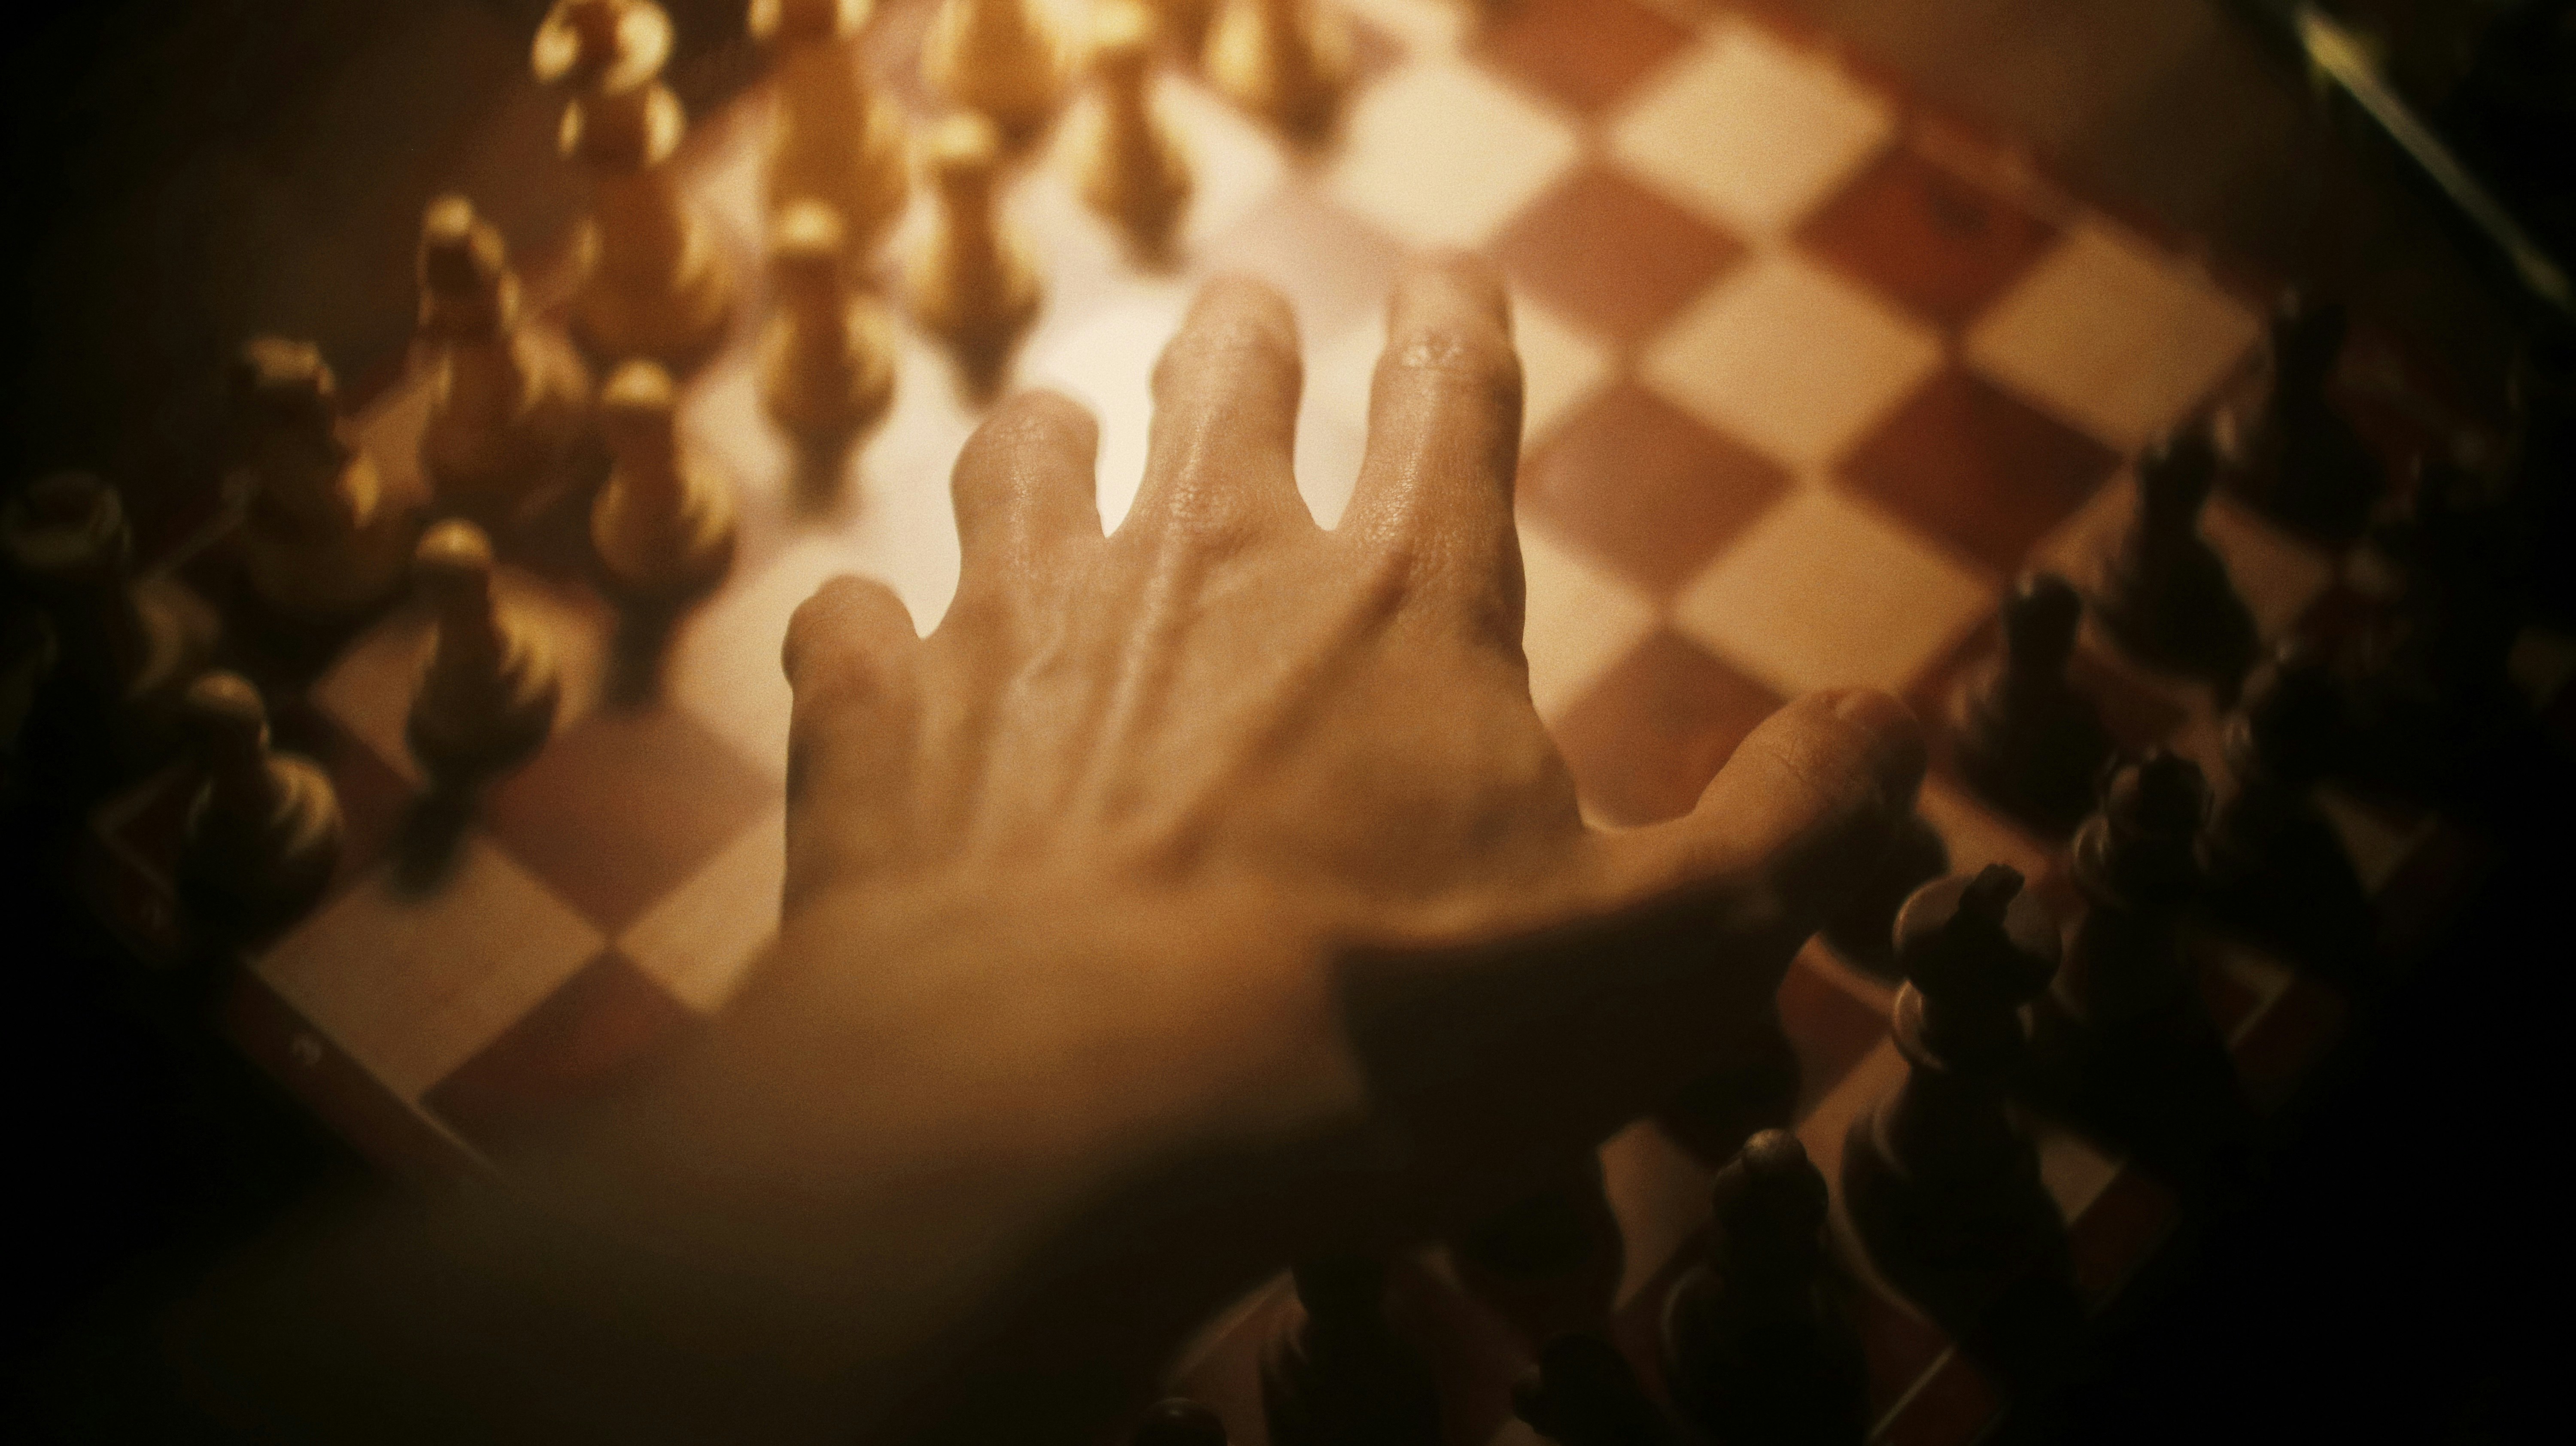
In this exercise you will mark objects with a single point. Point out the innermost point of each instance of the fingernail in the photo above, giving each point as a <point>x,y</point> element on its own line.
<point>1895,738</point>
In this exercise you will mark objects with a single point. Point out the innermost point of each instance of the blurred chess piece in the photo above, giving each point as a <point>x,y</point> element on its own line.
<point>2027,740</point>
<point>1343,1373</point>
<point>2165,595</point>
<point>263,831</point>
<point>136,644</point>
<point>975,284</point>
<point>595,45</point>
<point>1859,930</point>
<point>486,701</point>
<point>1584,1393</point>
<point>2296,458</point>
<point>322,542</point>
<point>836,139</point>
<point>510,401</point>
<point>1548,1262</point>
<point>826,351</point>
<point>1000,59</point>
<point>1286,61</point>
<point>653,282</point>
<point>1183,25</point>
<point>663,523</point>
<point>1130,166</point>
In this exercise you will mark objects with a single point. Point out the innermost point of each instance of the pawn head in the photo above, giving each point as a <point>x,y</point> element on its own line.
<point>804,21</point>
<point>2307,335</point>
<point>454,562</point>
<point>806,242</point>
<point>2040,620</point>
<point>962,152</point>
<point>460,252</point>
<point>1122,39</point>
<point>280,382</point>
<point>594,24</point>
<point>1179,1421</point>
<point>2176,472</point>
<point>635,409</point>
<point>1770,1190</point>
<point>2162,795</point>
<point>225,713</point>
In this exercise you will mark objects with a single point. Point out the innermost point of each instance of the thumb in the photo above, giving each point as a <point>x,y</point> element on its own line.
<point>1487,1058</point>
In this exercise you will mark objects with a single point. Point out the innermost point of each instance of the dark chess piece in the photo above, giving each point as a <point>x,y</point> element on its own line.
<point>2298,460</point>
<point>322,542</point>
<point>1343,1375</point>
<point>2121,1043</point>
<point>2027,739</point>
<point>1584,1393</point>
<point>1549,1262</point>
<point>2277,871</point>
<point>263,830</point>
<point>1859,929</point>
<point>1940,1181</point>
<point>1178,1421</point>
<point>2165,595</point>
<point>134,643</point>
<point>1755,1088</point>
<point>1756,1343</point>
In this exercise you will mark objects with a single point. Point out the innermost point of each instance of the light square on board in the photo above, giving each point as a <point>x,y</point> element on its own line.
<point>1577,619</point>
<point>1107,363</point>
<point>1824,592</point>
<point>1440,155</point>
<point>2112,336</point>
<point>414,982</point>
<point>700,939</point>
<point>1791,358</point>
<point>1562,364</point>
<point>1749,129</point>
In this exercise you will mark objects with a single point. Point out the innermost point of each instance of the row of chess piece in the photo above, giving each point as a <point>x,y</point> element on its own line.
<point>2001,1014</point>
<point>1941,1186</point>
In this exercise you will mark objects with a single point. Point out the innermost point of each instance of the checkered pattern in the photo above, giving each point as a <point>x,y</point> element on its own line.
<point>1809,378</point>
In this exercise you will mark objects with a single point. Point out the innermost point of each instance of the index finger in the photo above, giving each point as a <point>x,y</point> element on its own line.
<point>1444,428</point>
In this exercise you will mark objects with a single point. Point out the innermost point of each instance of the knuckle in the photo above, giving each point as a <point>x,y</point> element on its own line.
<point>1476,358</point>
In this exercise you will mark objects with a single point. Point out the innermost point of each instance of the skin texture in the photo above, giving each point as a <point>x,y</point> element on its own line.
<point>1191,899</point>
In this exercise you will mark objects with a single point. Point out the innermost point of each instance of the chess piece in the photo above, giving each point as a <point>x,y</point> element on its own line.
<point>836,139</point>
<point>653,282</point>
<point>1756,1344</point>
<point>487,699</point>
<point>2165,595</point>
<point>2298,461</point>
<point>136,643</point>
<point>1287,61</point>
<point>999,59</point>
<point>1754,1088</point>
<point>2275,868</point>
<point>663,523</point>
<point>1342,1375</point>
<point>1131,169</point>
<point>2026,738</point>
<point>2120,1043</point>
<point>1548,1263</point>
<point>511,400</point>
<point>826,353</point>
<point>1584,1393</point>
<point>1178,1421</point>
<point>1940,1182</point>
<point>601,45</point>
<point>1859,928</point>
<point>975,283</point>
<point>322,543</point>
<point>263,831</point>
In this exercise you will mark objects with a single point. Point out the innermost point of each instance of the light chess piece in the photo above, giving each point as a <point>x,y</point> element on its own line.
<point>653,280</point>
<point>510,400</point>
<point>1130,167</point>
<point>601,45</point>
<point>1287,61</point>
<point>663,523</point>
<point>826,352</point>
<point>263,831</point>
<point>135,643</point>
<point>1000,59</point>
<point>975,284</point>
<point>837,140</point>
<point>323,543</point>
<point>487,699</point>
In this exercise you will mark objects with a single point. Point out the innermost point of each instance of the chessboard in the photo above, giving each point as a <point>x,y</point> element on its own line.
<point>1813,372</point>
